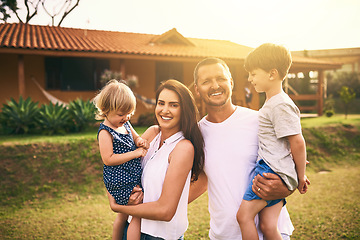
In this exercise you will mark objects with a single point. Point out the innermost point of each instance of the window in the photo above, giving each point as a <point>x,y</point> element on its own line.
<point>168,70</point>
<point>74,74</point>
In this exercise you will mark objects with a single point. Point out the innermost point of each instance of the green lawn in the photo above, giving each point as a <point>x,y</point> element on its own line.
<point>330,210</point>
<point>325,121</point>
<point>51,186</point>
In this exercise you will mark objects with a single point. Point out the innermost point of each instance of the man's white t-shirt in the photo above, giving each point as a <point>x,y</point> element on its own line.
<point>230,155</point>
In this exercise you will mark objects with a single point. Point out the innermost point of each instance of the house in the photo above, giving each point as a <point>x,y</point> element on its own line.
<point>348,57</point>
<point>67,63</point>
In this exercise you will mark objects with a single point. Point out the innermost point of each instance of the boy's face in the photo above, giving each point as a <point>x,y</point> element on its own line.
<point>260,79</point>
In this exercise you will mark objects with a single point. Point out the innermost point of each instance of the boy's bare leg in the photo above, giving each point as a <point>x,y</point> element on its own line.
<point>245,217</point>
<point>269,220</point>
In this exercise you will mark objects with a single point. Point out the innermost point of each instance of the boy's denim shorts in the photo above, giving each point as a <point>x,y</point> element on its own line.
<point>260,168</point>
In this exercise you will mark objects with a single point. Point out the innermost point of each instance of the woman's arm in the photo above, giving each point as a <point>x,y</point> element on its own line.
<point>107,154</point>
<point>198,187</point>
<point>180,164</point>
<point>151,133</point>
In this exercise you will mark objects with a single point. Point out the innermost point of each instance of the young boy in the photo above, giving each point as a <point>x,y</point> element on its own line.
<point>281,144</point>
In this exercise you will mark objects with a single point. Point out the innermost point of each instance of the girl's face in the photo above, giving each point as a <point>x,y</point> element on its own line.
<point>168,110</point>
<point>116,119</point>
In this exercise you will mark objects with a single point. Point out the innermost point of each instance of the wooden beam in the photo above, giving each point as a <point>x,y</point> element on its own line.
<point>320,92</point>
<point>307,108</point>
<point>304,97</point>
<point>21,75</point>
<point>122,68</point>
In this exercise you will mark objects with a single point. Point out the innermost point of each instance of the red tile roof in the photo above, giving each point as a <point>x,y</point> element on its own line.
<point>25,36</point>
<point>171,43</point>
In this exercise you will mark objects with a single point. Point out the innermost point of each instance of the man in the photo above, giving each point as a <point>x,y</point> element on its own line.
<point>231,144</point>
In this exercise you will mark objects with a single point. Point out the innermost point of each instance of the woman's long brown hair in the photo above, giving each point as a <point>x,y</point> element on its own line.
<point>188,122</point>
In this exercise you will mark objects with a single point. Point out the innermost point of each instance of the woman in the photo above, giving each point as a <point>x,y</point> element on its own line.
<point>174,159</point>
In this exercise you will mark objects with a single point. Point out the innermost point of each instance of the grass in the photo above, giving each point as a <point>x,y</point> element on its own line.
<point>90,133</point>
<point>353,119</point>
<point>51,187</point>
<point>330,210</point>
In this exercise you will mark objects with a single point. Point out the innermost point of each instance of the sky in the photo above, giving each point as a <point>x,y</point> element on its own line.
<point>297,24</point>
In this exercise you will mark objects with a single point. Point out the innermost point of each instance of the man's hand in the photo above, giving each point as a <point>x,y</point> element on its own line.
<point>270,187</point>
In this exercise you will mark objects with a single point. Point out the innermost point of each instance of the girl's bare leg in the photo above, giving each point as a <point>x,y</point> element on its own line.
<point>119,225</point>
<point>134,229</point>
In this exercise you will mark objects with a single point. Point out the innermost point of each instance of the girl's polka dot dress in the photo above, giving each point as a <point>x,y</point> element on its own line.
<point>121,179</point>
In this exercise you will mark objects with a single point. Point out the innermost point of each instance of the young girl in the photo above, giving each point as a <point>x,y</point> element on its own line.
<point>117,143</point>
<point>175,158</point>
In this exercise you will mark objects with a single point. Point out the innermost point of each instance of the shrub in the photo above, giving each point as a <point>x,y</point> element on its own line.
<point>329,103</point>
<point>53,119</point>
<point>82,114</point>
<point>329,113</point>
<point>19,117</point>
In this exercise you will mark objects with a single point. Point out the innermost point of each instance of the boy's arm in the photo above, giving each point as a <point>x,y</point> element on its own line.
<point>298,151</point>
<point>271,187</point>
<point>109,157</point>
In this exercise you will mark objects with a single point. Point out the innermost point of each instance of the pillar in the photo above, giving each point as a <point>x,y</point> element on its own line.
<point>21,75</point>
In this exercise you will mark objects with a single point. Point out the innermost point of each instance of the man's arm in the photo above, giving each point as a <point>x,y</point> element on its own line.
<point>198,188</point>
<point>270,187</point>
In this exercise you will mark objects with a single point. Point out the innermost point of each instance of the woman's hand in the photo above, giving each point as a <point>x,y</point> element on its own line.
<point>136,196</point>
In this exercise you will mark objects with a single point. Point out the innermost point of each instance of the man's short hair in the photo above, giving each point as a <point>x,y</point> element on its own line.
<point>209,61</point>
<point>269,56</point>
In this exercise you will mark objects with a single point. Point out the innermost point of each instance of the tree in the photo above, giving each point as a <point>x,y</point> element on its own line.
<point>6,7</point>
<point>347,95</point>
<point>63,9</point>
<point>339,79</point>
<point>60,8</point>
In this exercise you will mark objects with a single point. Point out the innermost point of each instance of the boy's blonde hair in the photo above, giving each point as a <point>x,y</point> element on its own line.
<point>269,56</point>
<point>114,96</point>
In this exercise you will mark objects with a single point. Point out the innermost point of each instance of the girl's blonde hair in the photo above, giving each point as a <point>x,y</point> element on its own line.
<point>114,96</point>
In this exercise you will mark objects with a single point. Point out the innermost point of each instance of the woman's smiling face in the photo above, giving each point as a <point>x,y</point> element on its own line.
<point>168,110</point>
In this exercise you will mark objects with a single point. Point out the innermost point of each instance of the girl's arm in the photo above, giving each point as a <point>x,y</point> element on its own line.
<point>298,151</point>
<point>147,136</point>
<point>135,135</point>
<point>109,157</point>
<point>180,164</point>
